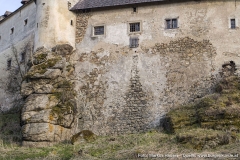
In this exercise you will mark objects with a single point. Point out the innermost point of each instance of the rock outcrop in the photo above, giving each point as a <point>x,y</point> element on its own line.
<point>50,105</point>
<point>212,120</point>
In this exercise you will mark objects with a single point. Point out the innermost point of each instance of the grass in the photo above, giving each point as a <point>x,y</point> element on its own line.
<point>111,148</point>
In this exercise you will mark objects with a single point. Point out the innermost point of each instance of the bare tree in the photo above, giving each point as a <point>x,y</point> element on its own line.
<point>17,66</point>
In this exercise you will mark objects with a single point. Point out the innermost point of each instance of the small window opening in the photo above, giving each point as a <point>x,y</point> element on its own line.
<point>171,23</point>
<point>134,42</point>
<point>99,30</point>
<point>135,27</point>
<point>9,63</point>
<point>23,57</point>
<point>0,37</point>
<point>134,9</point>
<point>12,30</point>
<point>71,22</point>
<point>37,25</point>
<point>233,23</point>
<point>25,22</point>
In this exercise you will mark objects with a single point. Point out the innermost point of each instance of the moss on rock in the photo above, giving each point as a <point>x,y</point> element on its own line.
<point>204,138</point>
<point>42,68</point>
<point>86,135</point>
<point>215,115</point>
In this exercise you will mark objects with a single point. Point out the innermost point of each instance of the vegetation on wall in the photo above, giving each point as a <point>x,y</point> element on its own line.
<point>210,121</point>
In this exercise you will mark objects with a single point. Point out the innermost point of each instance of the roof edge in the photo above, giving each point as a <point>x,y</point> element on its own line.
<point>14,12</point>
<point>75,8</point>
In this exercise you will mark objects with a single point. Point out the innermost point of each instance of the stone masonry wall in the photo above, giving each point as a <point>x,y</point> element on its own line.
<point>190,68</point>
<point>81,25</point>
<point>122,90</point>
<point>127,90</point>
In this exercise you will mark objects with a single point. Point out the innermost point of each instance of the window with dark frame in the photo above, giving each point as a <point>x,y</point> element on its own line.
<point>12,30</point>
<point>171,23</point>
<point>134,42</point>
<point>23,57</point>
<point>134,27</point>
<point>233,23</point>
<point>134,9</point>
<point>98,30</point>
<point>25,22</point>
<point>9,63</point>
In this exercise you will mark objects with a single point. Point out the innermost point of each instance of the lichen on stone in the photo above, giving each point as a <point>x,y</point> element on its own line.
<point>86,135</point>
<point>42,68</point>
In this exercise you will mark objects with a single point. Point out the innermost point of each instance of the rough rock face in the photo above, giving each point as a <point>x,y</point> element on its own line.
<point>212,120</point>
<point>50,105</point>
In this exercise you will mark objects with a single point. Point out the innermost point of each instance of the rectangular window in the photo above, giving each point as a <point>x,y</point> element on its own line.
<point>134,27</point>
<point>171,23</point>
<point>12,30</point>
<point>233,23</point>
<point>23,57</point>
<point>9,63</point>
<point>134,9</point>
<point>98,30</point>
<point>134,42</point>
<point>25,22</point>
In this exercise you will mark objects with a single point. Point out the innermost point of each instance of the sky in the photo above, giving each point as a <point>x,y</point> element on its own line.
<point>9,5</point>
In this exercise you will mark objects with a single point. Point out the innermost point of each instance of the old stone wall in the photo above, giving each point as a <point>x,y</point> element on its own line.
<point>127,90</point>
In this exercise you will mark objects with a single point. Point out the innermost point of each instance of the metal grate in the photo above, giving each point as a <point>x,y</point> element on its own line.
<point>233,23</point>
<point>171,23</point>
<point>134,27</point>
<point>99,30</point>
<point>134,42</point>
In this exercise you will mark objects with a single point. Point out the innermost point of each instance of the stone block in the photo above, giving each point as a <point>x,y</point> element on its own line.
<point>36,102</point>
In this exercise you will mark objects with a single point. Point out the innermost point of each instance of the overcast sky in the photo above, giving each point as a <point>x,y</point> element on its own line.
<point>9,5</point>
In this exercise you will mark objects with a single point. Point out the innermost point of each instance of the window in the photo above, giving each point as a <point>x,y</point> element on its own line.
<point>134,42</point>
<point>171,23</point>
<point>23,57</point>
<point>9,63</point>
<point>134,9</point>
<point>233,23</point>
<point>98,30</point>
<point>12,30</point>
<point>25,22</point>
<point>71,22</point>
<point>134,27</point>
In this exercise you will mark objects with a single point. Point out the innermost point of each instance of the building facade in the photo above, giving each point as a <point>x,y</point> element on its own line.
<point>133,61</point>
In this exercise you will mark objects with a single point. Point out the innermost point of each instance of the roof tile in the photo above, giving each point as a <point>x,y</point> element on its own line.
<point>88,4</point>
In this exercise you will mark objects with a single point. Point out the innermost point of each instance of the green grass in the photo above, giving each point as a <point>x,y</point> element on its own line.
<point>113,148</point>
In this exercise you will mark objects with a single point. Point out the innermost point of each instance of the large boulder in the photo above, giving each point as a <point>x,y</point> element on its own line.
<point>48,114</point>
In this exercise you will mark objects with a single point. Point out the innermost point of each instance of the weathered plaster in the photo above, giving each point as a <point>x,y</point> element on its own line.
<point>173,66</point>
